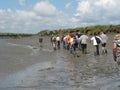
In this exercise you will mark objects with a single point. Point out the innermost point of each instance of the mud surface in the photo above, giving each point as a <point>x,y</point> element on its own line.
<point>26,66</point>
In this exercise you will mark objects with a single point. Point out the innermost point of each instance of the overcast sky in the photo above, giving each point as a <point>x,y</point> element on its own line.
<point>32,16</point>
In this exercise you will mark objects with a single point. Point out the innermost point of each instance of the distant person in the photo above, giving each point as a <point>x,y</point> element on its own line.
<point>84,39</point>
<point>68,41</point>
<point>96,41</point>
<point>64,42</point>
<point>79,34</point>
<point>54,42</point>
<point>40,41</point>
<point>79,43</point>
<point>75,43</point>
<point>72,49</point>
<point>58,39</point>
<point>104,39</point>
<point>51,39</point>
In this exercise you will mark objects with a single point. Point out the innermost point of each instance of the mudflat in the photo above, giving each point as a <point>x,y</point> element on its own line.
<point>24,65</point>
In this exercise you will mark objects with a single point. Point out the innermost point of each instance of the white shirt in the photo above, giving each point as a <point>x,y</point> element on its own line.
<point>104,38</point>
<point>83,39</point>
<point>94,40</point>
<point>58,38</point>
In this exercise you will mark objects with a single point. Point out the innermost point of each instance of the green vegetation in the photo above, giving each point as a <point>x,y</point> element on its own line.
<point>14,35</point>
<point>89,30</point>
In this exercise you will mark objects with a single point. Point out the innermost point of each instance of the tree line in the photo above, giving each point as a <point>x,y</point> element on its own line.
<point>88,30</point>
<point>14,35</point>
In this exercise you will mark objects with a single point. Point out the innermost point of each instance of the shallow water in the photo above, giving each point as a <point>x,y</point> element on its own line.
<point>27,67</point>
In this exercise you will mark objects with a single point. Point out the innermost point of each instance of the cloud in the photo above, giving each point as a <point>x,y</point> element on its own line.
<point>106,4</point>
<point>44,15</point>
<point>68,6</point>
<point>25,15</point>
<point>44,8</point>
<point>83,8</point>
<point>22,2</point>
<point>99,12</point>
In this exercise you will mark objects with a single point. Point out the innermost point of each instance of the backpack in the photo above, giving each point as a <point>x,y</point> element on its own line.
<point>75,41</point>
<point>118,43</point>
<point>54,39</point>
<point>97,40</point>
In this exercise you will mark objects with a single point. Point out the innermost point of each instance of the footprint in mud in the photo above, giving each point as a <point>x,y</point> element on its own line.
<point>49,68</point>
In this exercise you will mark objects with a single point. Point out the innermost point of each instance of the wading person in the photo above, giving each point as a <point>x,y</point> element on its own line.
<point>64,42</point>
<point>115,45</point>
<point>104,39</point>
<point>96,41</point>
<point>84,39</point>
<point>58,41</point>
<point>79,43</point>
<point>40,41</point>
<point>116,50</point>
<point>68,41</point>
<point>75,43</point>
<point>54,42</point>
<point>72,48</point>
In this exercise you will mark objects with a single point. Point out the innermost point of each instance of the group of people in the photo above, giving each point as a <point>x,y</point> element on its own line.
<point>80,41</point>
<point>97,39</point>
<point>55,40</point>
<point>71,42</point>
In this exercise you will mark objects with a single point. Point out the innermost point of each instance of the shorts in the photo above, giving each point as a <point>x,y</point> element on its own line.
<point>103,44</point>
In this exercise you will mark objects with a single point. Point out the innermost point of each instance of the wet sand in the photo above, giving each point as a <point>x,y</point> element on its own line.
<point>26,66</point>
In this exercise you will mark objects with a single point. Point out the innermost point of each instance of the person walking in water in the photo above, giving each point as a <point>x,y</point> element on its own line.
<point>67,39</point>
<point>40,41</point>
<point>96,41</point>
<point>116,50</point>
<point>104,39</point>
<point>83,39</point>
<point>58,41</point>
<point>72,49</point>
<point>54,42</point>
